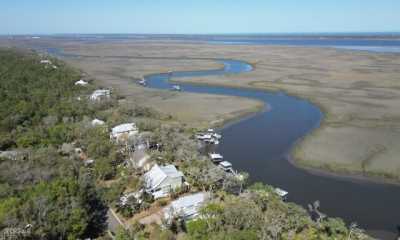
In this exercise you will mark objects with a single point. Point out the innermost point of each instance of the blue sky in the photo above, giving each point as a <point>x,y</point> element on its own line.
<point>200,16</point>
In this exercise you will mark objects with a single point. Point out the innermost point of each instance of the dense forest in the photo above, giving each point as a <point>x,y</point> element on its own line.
<point>48,192</point>
<point>42,188</point>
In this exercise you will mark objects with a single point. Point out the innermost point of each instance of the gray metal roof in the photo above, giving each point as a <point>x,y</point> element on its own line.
<point>157,174</point>
<point>187,206</point>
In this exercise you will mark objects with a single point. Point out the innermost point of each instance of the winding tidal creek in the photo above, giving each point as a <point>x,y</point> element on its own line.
<point>261,144</point>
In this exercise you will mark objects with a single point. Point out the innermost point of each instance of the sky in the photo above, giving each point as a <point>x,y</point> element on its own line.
<point>198,17</point>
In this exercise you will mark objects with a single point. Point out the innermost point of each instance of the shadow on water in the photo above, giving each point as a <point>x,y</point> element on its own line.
<point>260,145</point>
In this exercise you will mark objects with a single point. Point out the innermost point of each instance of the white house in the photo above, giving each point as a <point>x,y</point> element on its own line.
<point>186,207</point>
<point>122,132</point>
<point>160,181</point>
<point>81,83</point>
<point>99,94</point>
<point>45,61</point>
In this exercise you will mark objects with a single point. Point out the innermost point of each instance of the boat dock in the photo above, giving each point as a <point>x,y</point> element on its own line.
<point>209,137</point>
<point>281,193</point>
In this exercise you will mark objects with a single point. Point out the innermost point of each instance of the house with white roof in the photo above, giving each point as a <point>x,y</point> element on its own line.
<point>186,207</point>
<point>81,83</point>
<point>123,132</point>
<point>45,61</point>
<point>100,94</point>
<point>161,180</point>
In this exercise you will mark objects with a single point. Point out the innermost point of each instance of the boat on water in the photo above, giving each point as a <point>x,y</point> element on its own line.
<point>176,88</point>
<point>142,82</point>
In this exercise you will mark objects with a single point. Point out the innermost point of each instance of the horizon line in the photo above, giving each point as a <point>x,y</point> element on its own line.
<point>238,33</point>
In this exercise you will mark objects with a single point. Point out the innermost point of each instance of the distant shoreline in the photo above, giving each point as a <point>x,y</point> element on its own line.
<point>357,35</point>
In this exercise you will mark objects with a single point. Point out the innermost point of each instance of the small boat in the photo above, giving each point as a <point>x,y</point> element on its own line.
<point>176,88</point>
<point>142,82</point>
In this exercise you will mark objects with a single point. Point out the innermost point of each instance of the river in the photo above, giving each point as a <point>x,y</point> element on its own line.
<point>261,143</point>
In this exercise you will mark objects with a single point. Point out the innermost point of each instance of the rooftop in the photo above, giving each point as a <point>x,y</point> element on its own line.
<point>225,164</point>
<point>216,156</point>
<point>157,174</point>
<point>81,82</point>
<point>281,192</point>
<point>122,128</point>
<point>186,206</point>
